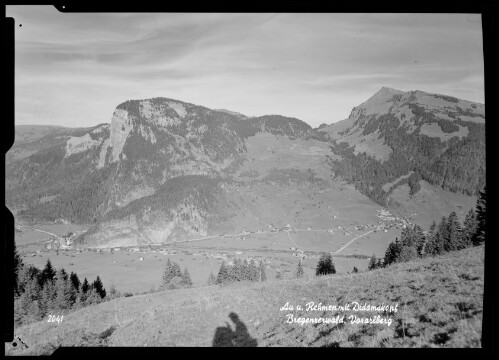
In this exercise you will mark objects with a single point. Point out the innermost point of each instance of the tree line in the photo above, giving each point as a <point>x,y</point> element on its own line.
<point>239,270</point>
<point>38,293</point>
<point>174,278</point>
<point>447,235</point>
<point>251,270</point>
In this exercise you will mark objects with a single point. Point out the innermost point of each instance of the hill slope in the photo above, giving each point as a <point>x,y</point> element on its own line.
<point>440,304</point>
<point>399,138</point>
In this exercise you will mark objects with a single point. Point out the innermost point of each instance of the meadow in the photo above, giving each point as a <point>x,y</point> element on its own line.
<point>438,302</point>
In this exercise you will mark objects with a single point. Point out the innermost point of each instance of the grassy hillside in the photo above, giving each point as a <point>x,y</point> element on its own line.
<point>440,304</point>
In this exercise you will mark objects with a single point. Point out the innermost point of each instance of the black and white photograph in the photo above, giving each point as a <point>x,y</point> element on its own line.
<point>267,179</point>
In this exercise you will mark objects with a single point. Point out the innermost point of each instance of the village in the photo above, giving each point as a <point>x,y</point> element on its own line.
<point>65,245</point>
<point>387,221</point>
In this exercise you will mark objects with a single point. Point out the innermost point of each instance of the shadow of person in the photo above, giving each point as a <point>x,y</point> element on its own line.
<point>241,336</point>
<point>226,337</point>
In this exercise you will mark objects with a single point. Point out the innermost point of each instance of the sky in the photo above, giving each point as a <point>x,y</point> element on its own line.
<point>74,69</point>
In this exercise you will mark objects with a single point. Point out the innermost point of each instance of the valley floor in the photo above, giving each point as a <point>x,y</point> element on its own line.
<point>438,302</point>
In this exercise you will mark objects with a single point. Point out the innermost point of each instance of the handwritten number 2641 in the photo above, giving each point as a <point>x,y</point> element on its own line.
<point>53,318</point>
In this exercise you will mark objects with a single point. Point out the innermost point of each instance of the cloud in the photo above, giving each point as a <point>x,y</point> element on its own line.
<point>73,69</point>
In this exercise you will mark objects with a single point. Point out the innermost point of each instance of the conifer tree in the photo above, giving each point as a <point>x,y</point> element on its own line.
<point>34,312</point>
<point>439,243</point>
<point>172,277</point>
<point>176,270</point>
<point>407,253</point>
<point>418,240</point>
<point>429,248</point>
<point>48,297</point>
<point>48,272</point>
<point>373,263</point>
<point>253,270</point>
<point>433,227</point>
<point>261,271</point>
<point>212,279</point>
<point>481,218</point>
<point>63,273</point>
<point>186,278</point>
<point>249,272</point>
<point>28,302</point>
<point>469,228</point>
<point>75,281</point>
<point>238,269</point>
<point>406,237</point>
<point>175,283</point>
<point>22,279</point>
<point>18,311</point>
<point>392,252</point>
<point>64,295</point>
<point>81,297</point>
<point>453,240</point>
<point>85,286</point>
<point>427,239</point>
<point>92,297</point>
<point>443,232</point>
<point>99,287</point>
<point>441,236</point>
<point>167,274</point>
<point>325,265</point>
<point>18,264</point>
<point>223,273</point>
<point>436,241</point>
<point>299,270</point>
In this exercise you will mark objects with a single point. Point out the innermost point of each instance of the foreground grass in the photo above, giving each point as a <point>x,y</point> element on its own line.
<point>440,304</point>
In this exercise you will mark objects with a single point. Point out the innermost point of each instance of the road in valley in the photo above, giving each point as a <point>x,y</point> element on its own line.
<point>190,240</point>
<point>40,231</point>
<point>351,241</point>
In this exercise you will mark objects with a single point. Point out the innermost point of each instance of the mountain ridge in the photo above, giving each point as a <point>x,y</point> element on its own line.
<point>441,139</point>
<point>86,174</point>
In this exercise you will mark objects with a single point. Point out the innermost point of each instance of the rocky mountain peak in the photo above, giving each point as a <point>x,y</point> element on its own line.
<point>381,101</point>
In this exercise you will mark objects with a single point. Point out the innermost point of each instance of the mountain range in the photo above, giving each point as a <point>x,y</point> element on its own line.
<point>164,169</point>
